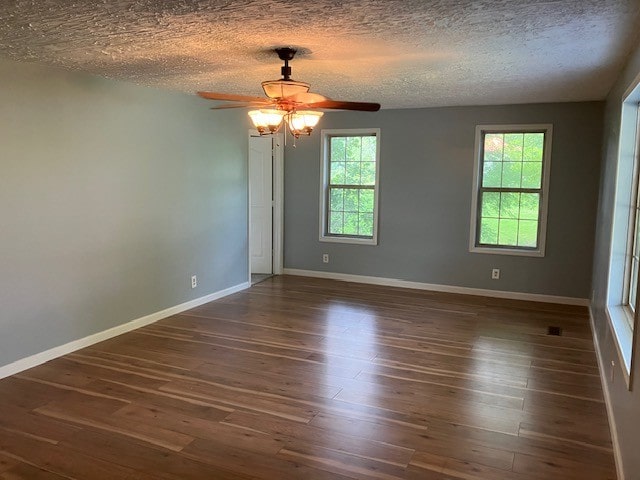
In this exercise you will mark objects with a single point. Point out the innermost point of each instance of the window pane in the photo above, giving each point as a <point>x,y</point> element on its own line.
<point>508,232</point>
<point>533,147</point>
<point>492,174</point>
<point>354,149</point>
<point>353,173</point>
<point>489,231</point>
<point>365,225</point>
<point>337,199</point>
<point>529,206</point>
<point>513,147</point>
<point>338,150</point>
<point>350,223</point>
<point>369,149</point>
<point>531,174</point>
<point>490,204</point>
<point>366,201</point>
<point>511,174</point>
<point>350,200</point>
<point>335,223</point>
<point>337,173</point>
<point>528,233</point>
<point>368,172</point>
<point>493,144</point>
<point>509,205</point>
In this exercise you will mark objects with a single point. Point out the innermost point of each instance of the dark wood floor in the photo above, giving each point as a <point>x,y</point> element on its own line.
<point>317,379</point>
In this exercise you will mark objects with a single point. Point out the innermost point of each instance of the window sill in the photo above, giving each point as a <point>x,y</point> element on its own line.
<point>507,251</point>
<point>354,241</point>
<point>623,337</point>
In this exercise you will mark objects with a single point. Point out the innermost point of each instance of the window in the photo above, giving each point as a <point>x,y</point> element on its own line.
<point>510,189</point>
<point>349,189</point>
<point>632,251</point>
<point>622,286</point>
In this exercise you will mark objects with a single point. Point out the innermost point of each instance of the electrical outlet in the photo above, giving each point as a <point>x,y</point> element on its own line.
<point>194,281</point>
<point>325,258</point>
<point>495,274</point>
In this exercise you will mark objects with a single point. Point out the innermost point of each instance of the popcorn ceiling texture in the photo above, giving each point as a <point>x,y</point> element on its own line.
<point>402,53</point>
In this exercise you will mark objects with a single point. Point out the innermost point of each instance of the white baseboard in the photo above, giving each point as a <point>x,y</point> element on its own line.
<point>607,400</point>
<point>393,282</point>
<point>42,357</point>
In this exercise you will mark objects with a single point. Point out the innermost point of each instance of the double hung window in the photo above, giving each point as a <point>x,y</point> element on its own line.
<point>349,189</point>
<point>510,191</point>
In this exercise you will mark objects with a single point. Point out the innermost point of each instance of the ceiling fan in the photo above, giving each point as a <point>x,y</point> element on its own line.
<point>288,101</point>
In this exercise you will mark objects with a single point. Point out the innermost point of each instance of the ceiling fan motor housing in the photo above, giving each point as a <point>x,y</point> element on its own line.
<point>283,88</point>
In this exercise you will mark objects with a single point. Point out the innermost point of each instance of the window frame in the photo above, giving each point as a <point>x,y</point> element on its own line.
<point>481,130</point>
<point>621,325</point>
<point>326,135</point>
<point>634,221</point>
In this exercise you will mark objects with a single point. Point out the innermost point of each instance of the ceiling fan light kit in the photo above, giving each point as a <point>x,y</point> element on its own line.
<point>303,122</point>
<point>267,121</point>
<point>288,101</point>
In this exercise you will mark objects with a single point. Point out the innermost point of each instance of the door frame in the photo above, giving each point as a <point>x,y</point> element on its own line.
<point>278,204</point>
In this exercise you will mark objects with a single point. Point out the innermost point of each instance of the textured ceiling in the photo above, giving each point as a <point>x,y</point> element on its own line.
<point>402,53</point>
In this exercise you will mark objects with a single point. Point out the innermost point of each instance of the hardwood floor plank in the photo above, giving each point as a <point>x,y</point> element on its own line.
<point>341,463</point>
<point>304,378</point>
<point>560,468</point>
<point>159,462</point>
<point>27,472</point>
<point>293,433</point>
<point>56,460</point>
<point>50,430</point>
<point>237,398</point>
<point>94,418</point>
<point>431,440</point>
<point>244,462</point>
<point>7,462</point>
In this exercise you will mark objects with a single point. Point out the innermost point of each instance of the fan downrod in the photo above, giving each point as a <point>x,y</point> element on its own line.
<point>285,54</point>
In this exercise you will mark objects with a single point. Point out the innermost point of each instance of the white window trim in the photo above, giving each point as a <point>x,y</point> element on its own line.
<point>324,183</point>
<point>546,175</point>
<point>618,315</point>
<point>618,318</point>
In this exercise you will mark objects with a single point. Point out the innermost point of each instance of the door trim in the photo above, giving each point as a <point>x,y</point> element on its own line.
<point>278,204</point>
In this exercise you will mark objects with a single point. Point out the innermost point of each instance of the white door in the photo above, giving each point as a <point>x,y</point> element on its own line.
<point>261,203</point>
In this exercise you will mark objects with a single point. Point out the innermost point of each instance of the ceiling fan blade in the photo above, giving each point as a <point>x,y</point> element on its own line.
<point>241,105</point>
<point>339,105</point>
<point>230,97</point>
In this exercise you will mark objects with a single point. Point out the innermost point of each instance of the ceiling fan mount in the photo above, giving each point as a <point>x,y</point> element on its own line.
<point>285,54</point>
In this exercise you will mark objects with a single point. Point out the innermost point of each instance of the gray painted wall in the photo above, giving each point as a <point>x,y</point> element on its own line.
<point>624,404</point>
<point>111,197</point>
<point>425,200</point>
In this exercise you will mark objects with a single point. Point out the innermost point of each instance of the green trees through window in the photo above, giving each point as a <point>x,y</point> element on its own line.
<point>350,170</point>
<point>510,191</point>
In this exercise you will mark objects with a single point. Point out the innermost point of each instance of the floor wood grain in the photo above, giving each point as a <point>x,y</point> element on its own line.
<point>320,379</point>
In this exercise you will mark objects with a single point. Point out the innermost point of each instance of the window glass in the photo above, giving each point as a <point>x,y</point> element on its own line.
<point>511,190</point>
<point>349,200</point>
